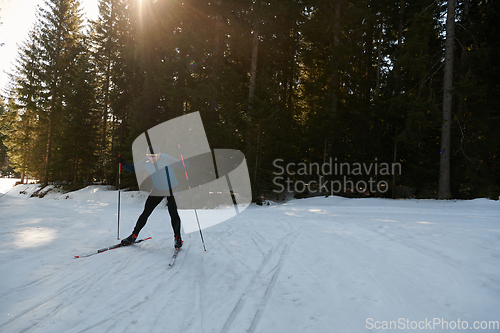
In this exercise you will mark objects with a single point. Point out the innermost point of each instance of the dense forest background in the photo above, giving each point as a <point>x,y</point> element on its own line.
<point>358,81</point>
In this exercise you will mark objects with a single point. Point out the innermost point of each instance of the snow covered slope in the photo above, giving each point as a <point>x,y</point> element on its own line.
<point>313,265</point>
<point>6,184</point>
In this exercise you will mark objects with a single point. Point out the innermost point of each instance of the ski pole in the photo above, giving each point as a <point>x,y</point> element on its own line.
<point>194,207</point>
<point>119,191</point>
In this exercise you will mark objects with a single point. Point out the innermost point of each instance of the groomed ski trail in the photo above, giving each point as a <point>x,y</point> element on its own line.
<point>315,265</point>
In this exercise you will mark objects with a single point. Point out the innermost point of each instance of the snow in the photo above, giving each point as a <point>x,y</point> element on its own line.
<point>312,265</point>
<point>6,184</point>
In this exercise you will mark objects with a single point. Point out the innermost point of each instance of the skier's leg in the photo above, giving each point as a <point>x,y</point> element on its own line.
<point>174,215</point>
<point>149,206</point>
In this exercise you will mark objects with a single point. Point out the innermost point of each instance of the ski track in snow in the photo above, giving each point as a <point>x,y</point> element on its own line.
<point>312,265</point>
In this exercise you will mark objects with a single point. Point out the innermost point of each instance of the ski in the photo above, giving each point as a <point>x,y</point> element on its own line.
<point>109,248</point>
<point>174,256</point>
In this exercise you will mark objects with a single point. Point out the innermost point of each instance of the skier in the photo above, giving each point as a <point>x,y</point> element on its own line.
<point>160,167</point>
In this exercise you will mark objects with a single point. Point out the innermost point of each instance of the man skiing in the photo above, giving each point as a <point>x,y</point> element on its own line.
<point>160,167</point>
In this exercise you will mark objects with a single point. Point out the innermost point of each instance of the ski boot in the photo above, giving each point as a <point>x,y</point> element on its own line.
<point>129,240</point>
<point>178,242</point>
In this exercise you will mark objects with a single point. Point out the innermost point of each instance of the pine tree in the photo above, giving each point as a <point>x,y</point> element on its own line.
<point>60,27</point>
<point>26,104</point>
<point>78,149</point>
<point>41,89</point>
<point>104,35</point>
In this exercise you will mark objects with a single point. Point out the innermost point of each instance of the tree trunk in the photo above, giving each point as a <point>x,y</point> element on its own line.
<point>253,68</point>
<point>253,77</point>
<point>105,116</point>
<point>50,115</point>
<point>463,57</point>
<point>379,63</point>
<point>335,78</point>
<point>48,148</point>
<point>335,70</point>
<point>53,103</point>
<point>251,97</point>
<point>107,84</point>
<point>444,170</point>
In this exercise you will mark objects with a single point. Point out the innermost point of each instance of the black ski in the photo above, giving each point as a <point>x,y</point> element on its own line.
<point>109,248</point>
<point>174,256</point>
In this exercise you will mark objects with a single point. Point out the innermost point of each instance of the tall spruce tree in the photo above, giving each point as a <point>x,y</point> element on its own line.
<point>77,159</point>
<point>43,90</point>
<point>104,35</point>
<point>60,37</point>
<point>26,104</point>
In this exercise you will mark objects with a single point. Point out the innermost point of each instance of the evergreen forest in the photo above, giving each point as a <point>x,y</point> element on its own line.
<point>387,82</point>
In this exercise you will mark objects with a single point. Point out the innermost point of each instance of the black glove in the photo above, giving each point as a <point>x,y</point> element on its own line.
<point>121,159</point>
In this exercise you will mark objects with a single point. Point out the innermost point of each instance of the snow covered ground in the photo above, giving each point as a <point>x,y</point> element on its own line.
<point>312,265</point>
<point>6,184</point>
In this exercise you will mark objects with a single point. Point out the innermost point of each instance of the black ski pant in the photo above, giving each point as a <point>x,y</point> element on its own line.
<point>151,203</point>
